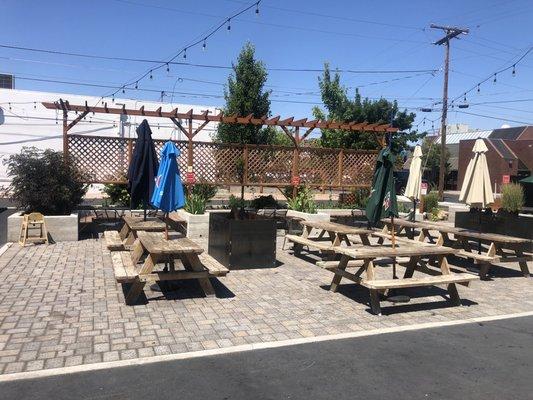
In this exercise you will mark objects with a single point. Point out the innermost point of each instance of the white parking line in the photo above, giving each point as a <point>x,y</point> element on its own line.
<point>247,347</point>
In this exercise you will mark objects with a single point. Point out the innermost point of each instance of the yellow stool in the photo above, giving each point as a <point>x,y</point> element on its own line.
<point>31,223</point>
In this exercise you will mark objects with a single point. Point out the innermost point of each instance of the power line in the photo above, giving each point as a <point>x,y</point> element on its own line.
<point>496,118</point>
<point>212,66</point>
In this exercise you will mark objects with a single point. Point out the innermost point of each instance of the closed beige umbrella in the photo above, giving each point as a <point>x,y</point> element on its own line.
<point>476,190</point>
<point>412,190</point>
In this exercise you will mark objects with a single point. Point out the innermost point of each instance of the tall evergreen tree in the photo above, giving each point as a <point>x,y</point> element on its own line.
<point>245,95</point>
<point>340,107</point>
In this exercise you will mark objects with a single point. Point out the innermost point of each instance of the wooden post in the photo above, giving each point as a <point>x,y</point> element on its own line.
<point>296,160</point>
<point>340,167</point>
<point>130,151</point>
<point>245,160</point>
<point>65,135</point>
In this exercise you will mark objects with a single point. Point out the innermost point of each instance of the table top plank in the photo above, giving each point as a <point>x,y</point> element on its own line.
<point>139,224</point>
<point>389,252</point>
<point>155,243</point>
<point>466,233</point>
<point>336,227</point>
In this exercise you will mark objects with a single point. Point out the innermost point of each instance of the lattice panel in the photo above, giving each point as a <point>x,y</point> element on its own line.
<point>216,163</point>
<point>319,166</point>
<point>106,159</point>
<point>103,159</point>
<point>358,168</point>
<point>269,165</point>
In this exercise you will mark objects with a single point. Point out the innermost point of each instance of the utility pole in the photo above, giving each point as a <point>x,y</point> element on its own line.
<point>451,32</point>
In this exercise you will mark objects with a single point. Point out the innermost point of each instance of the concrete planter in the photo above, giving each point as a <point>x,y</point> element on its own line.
<point>61,228</point>
<point>197,224</point>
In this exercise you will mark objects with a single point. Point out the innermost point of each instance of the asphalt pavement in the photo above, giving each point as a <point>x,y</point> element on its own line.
<point>492,360</point>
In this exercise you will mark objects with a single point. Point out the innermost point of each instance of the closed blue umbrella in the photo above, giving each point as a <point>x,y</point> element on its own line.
<point>168,191</point>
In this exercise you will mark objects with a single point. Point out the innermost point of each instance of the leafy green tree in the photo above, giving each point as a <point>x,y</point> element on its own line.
<point>339,107</point>
<point>245,95</point>
<point>431,152</point>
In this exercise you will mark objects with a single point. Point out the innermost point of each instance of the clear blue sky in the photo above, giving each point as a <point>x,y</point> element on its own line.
<point>357,35</point>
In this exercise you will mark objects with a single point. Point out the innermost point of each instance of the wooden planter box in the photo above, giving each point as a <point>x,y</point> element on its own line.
<point>242,244</point>
<point>61,228</point>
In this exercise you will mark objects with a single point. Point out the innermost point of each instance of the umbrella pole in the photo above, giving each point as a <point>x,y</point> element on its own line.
<point>166,226</point>
<point>144,206</point>
<point>479,230</point>
<point>393,240</point>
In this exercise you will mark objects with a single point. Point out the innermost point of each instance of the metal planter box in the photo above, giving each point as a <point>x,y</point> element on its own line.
<point>242,244</point>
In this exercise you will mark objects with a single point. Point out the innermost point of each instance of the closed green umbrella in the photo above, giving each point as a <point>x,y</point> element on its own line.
<point>382,202</point>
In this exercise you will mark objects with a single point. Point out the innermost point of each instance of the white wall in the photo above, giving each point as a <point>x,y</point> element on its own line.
<point>25,122</point>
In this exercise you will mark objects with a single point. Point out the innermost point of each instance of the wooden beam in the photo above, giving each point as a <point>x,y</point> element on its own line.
<point>78,119</point>
<point>180,126</point>
<point>202,126</point>
<point>190,115</point>
<point>306,134</point>
<point>289,134</point>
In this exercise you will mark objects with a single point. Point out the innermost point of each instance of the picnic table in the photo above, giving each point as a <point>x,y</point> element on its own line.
<point>498,250</point>
<point>352,257</point>
<point>132,225</point>
<point>337,234</point>
<point>156,249</point>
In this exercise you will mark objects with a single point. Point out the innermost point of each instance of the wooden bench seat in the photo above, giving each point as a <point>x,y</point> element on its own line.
<point>213,266</point>
<point>123,267</point>
<point>113,241</point>
<point>324,246</point>
<point>382,284</point>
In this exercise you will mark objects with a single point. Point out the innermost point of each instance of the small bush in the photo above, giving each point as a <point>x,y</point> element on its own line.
<point>43,182</point>
<point>204,190</point>
<point>195,204</point>
<point>304,201</point>
<point>512,197</point>
<point>118,193</point>
<point>264,202</point>
<point>237,202</point>
<point>431,201</point>
<point>361,197</point>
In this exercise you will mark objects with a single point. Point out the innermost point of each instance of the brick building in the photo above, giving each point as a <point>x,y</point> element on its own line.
<point>510,155</point>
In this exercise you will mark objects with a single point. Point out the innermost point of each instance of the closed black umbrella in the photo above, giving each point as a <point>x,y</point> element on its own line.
<point>143,168</point>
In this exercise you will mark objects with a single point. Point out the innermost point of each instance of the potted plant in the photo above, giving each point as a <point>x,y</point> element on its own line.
<point>507,221</point>
<point>303,206</point>
<point>194,213</point>
<point>44,182</point>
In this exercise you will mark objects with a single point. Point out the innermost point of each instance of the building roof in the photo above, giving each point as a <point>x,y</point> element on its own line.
<point>507,133</point>
<point>455,138</point>
<point>502,149</point>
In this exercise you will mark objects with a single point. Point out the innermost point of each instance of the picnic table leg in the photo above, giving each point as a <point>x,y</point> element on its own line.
<point>130,239</point>
<point>411,266</point>
<point>484,270</point>
<point>193,262</point>
<point>343,263</point>
<point>374,302</point>
<point>522,262</point>
<point>135,290</point>
<point>124,231</point>
<point>137,251</point>
<point>454,294</point>
<point>384,230</point>
<point>365,240</point>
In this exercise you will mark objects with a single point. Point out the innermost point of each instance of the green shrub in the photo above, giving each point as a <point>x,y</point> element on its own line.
<point>264,202</point>
<point>43,182</point>
<point>431,201</point>
<point>304,201</point>
<point>195,204</point>
<point>237,202</point>
<point>361,197</point>
<point>118,193</point>
<point>204,190</point>
<point>512,197</point>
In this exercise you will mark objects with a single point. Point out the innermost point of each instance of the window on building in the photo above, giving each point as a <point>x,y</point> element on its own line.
<point>7,81</point>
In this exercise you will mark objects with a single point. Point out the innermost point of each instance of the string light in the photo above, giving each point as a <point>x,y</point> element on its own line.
<point>478,88</point>
<point>204,45</point>
<point>9,105</point>
<point>151,76</point>
<point>123,90</point>
<point>185,53</point>
<point>229,24</point>
<point>257,8</point>
<point>168,68</point>
<point>514,70</point>
<point>494,81</point>
<point>137,85</point>
<point>34,106</point>
<point>464,98</point>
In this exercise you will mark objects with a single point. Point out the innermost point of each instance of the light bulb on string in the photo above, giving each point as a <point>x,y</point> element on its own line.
<point>151,76</point>
<point>137,85</point>
<point>204,45</point>
<point>494,80</point>
<point>229,24</point>
<point>112,98</point>
<point>9,104</point>
<point>123,90</point>
<point>464,97</point>
<point>514,70</point>
<point>185,53</point>
<point>168,68</point>
<point>257,8</point>
<point>478,88</point>
<point>34,105</point>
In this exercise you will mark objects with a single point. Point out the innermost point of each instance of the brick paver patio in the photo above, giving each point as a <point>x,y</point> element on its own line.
<point>60,306</point>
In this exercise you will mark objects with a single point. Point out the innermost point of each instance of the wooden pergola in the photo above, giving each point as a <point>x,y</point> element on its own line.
<point>291,126</point>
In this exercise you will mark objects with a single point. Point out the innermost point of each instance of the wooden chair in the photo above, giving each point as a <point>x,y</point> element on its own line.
<point>30,223</point>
